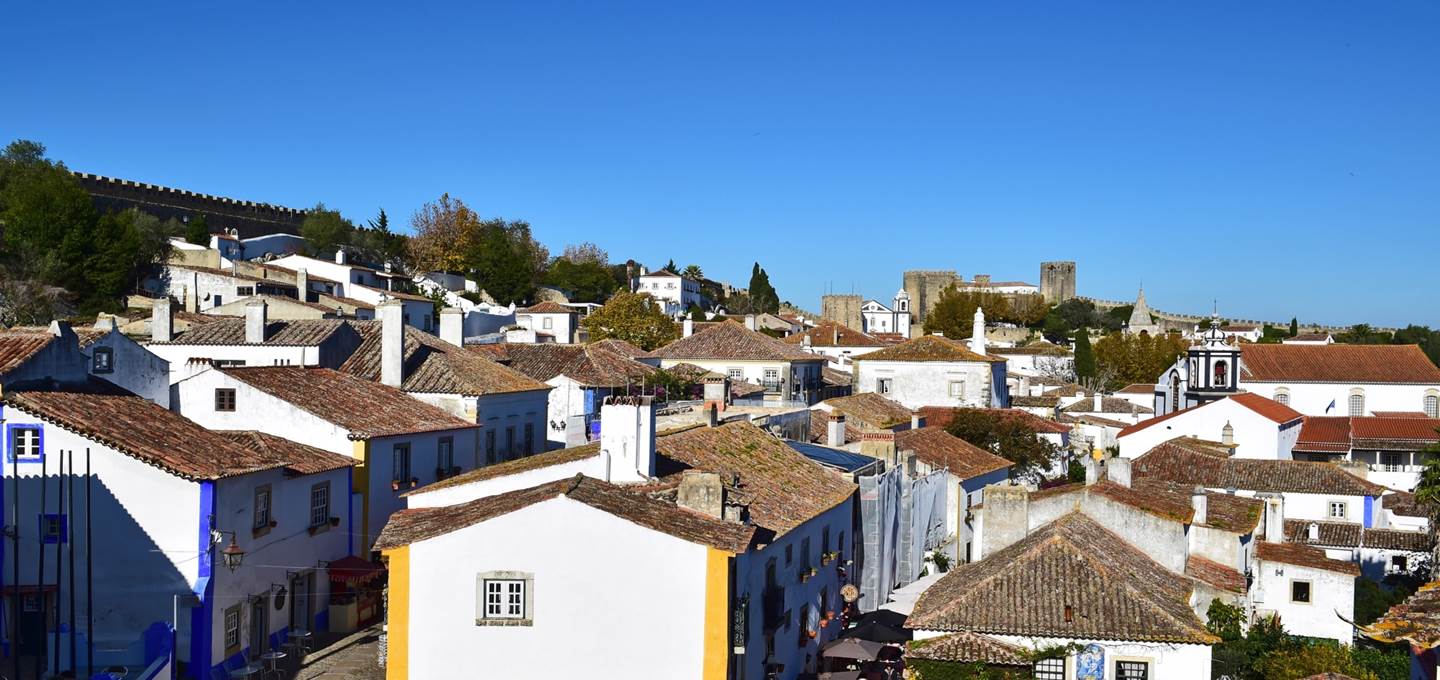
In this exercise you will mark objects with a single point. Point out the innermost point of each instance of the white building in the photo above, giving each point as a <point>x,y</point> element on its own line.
<point>1316,380</point>
<point>935,371</point>
<point>877,318</point>
<point>35,356</point>
<point>170,498</point>
<point>364,284</point>
<point>1250,425</point>
<point>200,288</point>
<point>838,342</point>
<point>787,372</point>
<point>970,469</point>
<point>254,340</point>
<point>399,442</point>
<point>675,293</point>
<point>1389,449</point>
<point>1309,339</point>
<point>551,321</point>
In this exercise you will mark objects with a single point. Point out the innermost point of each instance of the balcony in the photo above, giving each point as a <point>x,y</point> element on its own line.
<point>772,605</point>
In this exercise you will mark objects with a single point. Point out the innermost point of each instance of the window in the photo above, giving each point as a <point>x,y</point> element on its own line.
<point>53,529</point>
<point>242,291</point>
<point>224,399</point>
<point>735,373</point>
<point>400,463</point>
<point>320,504</point>
<point>1282,397</point>
<point>504,598</point>
<point>1357,405</point>
<point>805,554</point>
<point>217,301</point>
<point>1174,391</point>
<point>1222,373</point>
<point>490,446</point>
<point>772,375</point>
<point>548,323</point>
<point>510,441</point>
<point>1132,670</point>
<point>103,361</point>
<point>227,363</point>
<point>840,545</point>
<point>1391,461</point>
<point>789,554</point>
<point>803,625</point>
<point>882,385</point>
<point>825,540</point>
<point>232,630</point>
<point>1338,509</point>
<point>1300,592</point>
<point>428,322</point>
<point>1050,669</point>
<point>1399,563</point>
<point>262,509</point>
<point>957,389</point>
<point>26,444</point>
<point>529,438</point>
<point>1432,406</point>
<point>444,456</point>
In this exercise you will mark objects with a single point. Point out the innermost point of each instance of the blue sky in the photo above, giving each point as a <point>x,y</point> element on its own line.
<point>1283,158</point>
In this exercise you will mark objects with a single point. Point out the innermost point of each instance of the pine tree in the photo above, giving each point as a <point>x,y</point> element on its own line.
<point>1294,327</point>
<point>1084,355</point>
<point>197,232</point>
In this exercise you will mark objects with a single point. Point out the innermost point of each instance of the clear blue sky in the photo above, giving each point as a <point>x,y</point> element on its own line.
<point>1279,157</point>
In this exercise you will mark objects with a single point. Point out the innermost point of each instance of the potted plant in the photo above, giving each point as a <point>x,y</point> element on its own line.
<point>334,521</point>
<point>274,523</point>
<point>414,482</point>
<point>314,529</point>
<point>395,485</point>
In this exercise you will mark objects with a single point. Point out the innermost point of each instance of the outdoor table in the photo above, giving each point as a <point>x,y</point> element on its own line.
<point>302,638</point>
<point>246,671</point>
<point>273,658</point>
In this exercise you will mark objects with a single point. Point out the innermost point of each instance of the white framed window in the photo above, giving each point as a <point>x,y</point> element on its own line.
<point>262,508</point>
<point>1357,405</point>
<point>1338,509</point>
<point>103,361</point>
<point>1282,396</point>
<point>957,389</point>
<point>547,323</point>
<point>1049,669</point>
<point>320,504</point>
<point>1300,591</point>
<point>1391,461</point>
<point>1432,406</point>
<point>232,628</point>
<point>505,598</point>
<point>883,385</point>
<point>735,373</point>
<point>25,444</point>
<point>772,375</point>
<point>1132,670</point>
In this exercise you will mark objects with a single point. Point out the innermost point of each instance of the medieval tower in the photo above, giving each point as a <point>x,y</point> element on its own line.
<point>1057,281</point>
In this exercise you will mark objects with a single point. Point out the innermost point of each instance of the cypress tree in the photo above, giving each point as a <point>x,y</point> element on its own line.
<point>1294,327</point>
<point>197,232</point>
<point>1084,355</point>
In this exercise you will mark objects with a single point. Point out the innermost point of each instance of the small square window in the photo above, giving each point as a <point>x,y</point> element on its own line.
<point>957,389</point>
<point>1399,563</point>
<point>232,629</point>
<point>262,509</point>
<point>54,529</point>
<point>26,444</point>
<point>883,385</point>
<point>103,360</point>
<point>225,399</point>
<point>1300,592</point>
<point>1132,670</point>
<point>1338,509</point>
<point>504,598</point>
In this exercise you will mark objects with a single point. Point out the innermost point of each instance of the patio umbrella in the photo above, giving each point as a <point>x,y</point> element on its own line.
<point>884,617</point>
<point>851,648</point>
<point>876,632</point>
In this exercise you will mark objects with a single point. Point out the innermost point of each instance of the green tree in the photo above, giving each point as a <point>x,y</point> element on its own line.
<point>46,216</point>
<point>197,231</point>
<point>1294,327</point>
<point>695,313</point>
<point>693,272</point>
<point>1427,494</point>
<point>112,261</point>
<point>1122,359</point>
<point>325,229</point>
<point>954,311</point>
<point>634,318</point>
<point>1006,436</point>
<point>670,267</point>
<point>588,281</point>
<point>763,297</point>
<point>506,260</point>
<point>1084,356</point>
<point>375,244</point>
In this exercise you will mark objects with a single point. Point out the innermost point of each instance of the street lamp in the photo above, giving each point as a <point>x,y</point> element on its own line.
<point>232,555</point>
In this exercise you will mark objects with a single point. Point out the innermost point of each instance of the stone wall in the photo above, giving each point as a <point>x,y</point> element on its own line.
<point>924,288</point>
<point>842,309</point>
<point>247,218</point>
<point>1057,281</point>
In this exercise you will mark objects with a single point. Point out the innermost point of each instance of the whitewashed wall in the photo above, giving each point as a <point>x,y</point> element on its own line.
<point>916,384</point>
<point>1332,600</point>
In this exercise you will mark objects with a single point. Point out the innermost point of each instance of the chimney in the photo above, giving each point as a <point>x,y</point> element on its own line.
<point>750,322</point>
<point>687,327</point>
<point>1312,532</point>
<point>1274,517</point>
<point>339,256</point>
<point>879,444</point>
<point>392,342</point>
<point>255,322</point>
<point>702,492</point>
<point>452,326</point>
<point>1099,403</point>
<point>1227,434</point>
<point>917,421</point>
<point>977,333</point>
<point>1200,503</point>
<point>627,436</point>
<point>1005,518</point>
<point>302,284</point>
<point>1118,470</point>
<point>192,292</point>
<point>982,280</point>
<point>805,341</point>
<point>162,321</point>
<point>712,415</point>
<point>835,430</point>
<point>1092,469</point>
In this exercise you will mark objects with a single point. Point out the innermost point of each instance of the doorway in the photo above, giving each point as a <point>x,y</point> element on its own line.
<point>259,626</point>
<point>302,588</point>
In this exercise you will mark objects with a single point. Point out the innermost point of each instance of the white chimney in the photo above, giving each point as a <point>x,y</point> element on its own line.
<point>1313,532</point>
<point>1099,403</point>
<point>627,437</point>
<point>192,292</point>
<point>1227,434</point>
<point>162,321</point>
<point>392,342</point>
<point>977,334</point>
<point>687,327</point>
<point>339,256</point>
<point>1200,503</point>
<point>1274,517</point>
<point>302,284</point>
<point>1118,470</point>
<point>750,322</point>
<point>1092,469</point>
<point>805,341</point>
<point>835,430</point>
<point>255,322</point>
<point>452,326</point>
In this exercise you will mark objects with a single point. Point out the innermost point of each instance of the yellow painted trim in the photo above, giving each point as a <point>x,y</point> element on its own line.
<point>397,623</point>
<point>717,614</point>
<point>360,450</point>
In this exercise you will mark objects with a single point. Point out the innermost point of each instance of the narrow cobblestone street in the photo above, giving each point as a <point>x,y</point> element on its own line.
<point>351,657</point>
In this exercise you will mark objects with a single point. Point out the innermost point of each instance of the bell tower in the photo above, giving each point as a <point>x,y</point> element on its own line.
<point>1213,366</point>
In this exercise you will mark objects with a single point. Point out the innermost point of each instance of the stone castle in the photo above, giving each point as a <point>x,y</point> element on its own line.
<point>246,218</point>
<point>1057,284</point>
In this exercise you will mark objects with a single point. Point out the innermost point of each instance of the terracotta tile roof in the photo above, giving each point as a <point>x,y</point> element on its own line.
<point>17,346</point>
<point>1215,574</point>
<point>783,488</point>
<point>619,347</point>
<point>835,377</point>
<point>296,333</point>
<point>1171,500</point>
<point>589,365</point>
<point>871,409</point>
<point>397,294</point>
<point>1041,348</point>
<point>272,299</point>
<point>928,348</point>
<point>1113,591</point>
<point>1403,503</point>
<point>730,340</point>
<point>418,524</point>
<point>546,307</point>
<point>84,336</point>
<point>889,338</point>
<point>1042,401</point>
<point>1175,462</point>
<point>1267,408</point>
<point>140,429</point>
<point>941,416</point>
<point>1137,388</point>
<point>819,431</point>
<point>1302,556</point>
<point>1402,434</point>
<point>364,408</point>
<point>1338,364</point>
<point>832,334</point>
<point>227,273</point>
<point>1309,337</point>
<point>940,449</point>
<point>1399,414</point>
<point>300,459</point>
<point>435,366</point>
<point>1416,620</point>
<point>1356,535</point>
<point>1324,434</point>
<point>1090,419</point>
<point>967,647</point>
<point>1107,405</point>
<point>510,467</point>
<point>348,301</point>
<point>1065,390</point>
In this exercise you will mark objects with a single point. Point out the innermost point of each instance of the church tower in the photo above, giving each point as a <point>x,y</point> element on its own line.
<point>902,313</point>
<point>1140,321</point>
<point>1213,366</point>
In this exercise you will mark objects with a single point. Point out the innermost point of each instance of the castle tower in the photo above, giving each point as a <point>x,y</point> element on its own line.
<point>1057,281</point>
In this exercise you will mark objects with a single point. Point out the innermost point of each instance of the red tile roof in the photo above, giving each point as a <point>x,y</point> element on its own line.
<point>730,340</point>
<point>941,416</point>
<point>364,408</point>
<point>296,333</point>
<point>1177,462</point>
<point>1356,535</point>
<point>1339,434</point>
<point>1324,434</point>
<point>301,459</point>
<point>16,347</point>
<point>1137,388</point>
<point>591,365</point>
<point>418,524</point>
<point>1338,364</point>
<point>1267,408</point>
<point>547,307</point>
<point>510,467</point>
<point>940,449</point>
<point>1215,574</point>
<point>435,366</point>
<point>1302,556</point>
<point>1399,414</point>
<point>967,648</point>
<point>1416,620</point>
<point>832,334</point>
<point>928,348</point>
<point>869,408</point>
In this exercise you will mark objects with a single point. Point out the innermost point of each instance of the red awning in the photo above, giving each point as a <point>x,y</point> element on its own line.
<point>353,570</point>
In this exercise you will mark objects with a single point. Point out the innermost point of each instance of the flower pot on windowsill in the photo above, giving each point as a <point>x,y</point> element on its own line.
<point>334,521</point>
<point>414,482</point>
<point>314,529</point>
<point>274,524</point>
<point>395,485</point>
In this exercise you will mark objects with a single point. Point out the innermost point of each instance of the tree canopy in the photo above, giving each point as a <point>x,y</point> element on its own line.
<point>763,297</point>
<point>503,256</point>
<point>634,318</point>
<point>325,229</point>
<point>587,280</point>
<point>954,312</point>
<point>1122,359</point>
<point>1005,435</point>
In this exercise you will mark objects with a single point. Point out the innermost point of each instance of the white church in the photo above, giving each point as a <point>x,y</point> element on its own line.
<point>877,318</point>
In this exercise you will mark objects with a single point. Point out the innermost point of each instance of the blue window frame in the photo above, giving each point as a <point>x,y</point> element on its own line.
<point>24,443</point>
<point>54,528</point>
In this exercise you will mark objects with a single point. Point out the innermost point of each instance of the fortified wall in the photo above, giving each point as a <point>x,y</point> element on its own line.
<point>247,218</point>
